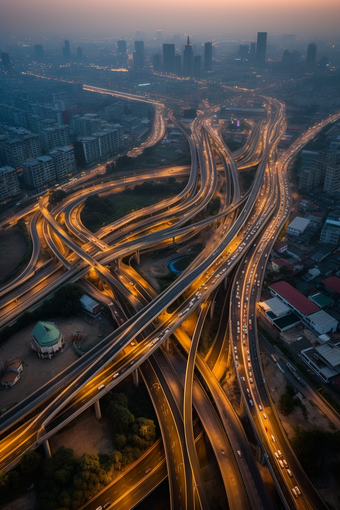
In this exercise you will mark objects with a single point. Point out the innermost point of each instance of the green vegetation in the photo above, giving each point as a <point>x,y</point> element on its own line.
<point>66,482</point>
<point>246,178</point>
<point>190,113</point>
<point>65,302</point>
<point>312,448</point>
<point>100,211</point>
<point>57,196</point>
<point>214,206</point>
<point>21,227</point>
<point>286,404</point>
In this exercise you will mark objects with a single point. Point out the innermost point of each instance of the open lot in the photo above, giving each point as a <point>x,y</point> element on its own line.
<point>37,371</point>
<point>12,250</point>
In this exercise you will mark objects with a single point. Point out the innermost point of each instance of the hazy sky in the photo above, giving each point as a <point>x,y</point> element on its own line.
<point>72,18</point>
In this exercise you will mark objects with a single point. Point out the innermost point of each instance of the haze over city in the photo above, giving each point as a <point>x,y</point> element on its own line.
<point>104,18</point>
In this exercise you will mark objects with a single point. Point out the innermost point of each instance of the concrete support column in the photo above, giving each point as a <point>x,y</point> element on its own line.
<point>241,405</point>
<point>136,377</point>
<point>173,241</point>
<point>167,344</point>
<point>97,410</point>
<point>212,309</point>
<point>137,257</point>
<point>225,283</point>
<point>47,449</point>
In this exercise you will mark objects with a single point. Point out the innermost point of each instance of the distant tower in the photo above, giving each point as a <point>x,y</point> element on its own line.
<point>243,51</point>
<point>178,65</point>
<point>208,57</point>
<point>169,58</point>
<point>38,51</point>
<point>311,56</point>
<point>121,44</point>
<point>138,56</point>
<point>188,59</point>
<point>6,63</point>
<point>157,63</point>
<point>261,47</point>
<point>66,50</point>
<point>159,37</point>
<point>79,53</point>
<point>252,51</point>
<point>197,66</point>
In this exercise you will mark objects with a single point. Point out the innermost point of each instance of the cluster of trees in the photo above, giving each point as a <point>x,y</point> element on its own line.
<point>190,113</point>
<point>97,211</point>
<point>133,433</point>
<point>65,302</point>
<point>288,401</point>
<point>20,479</point>
<point>214,206</point>
<point>313,447</point>
<point>57,196</point>
<point>21,226</point>
<point>171,187</point>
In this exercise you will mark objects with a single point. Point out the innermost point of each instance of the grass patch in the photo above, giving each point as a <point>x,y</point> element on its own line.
<point>5,245</point>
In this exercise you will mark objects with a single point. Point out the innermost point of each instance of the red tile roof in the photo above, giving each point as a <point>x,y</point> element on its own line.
<point>332,282</point>
<point>295,298</point>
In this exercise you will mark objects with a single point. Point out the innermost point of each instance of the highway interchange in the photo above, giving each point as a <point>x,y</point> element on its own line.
<point>241,236</point>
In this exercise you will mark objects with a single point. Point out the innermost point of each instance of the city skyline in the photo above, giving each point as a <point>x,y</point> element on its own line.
<point>38,19</point>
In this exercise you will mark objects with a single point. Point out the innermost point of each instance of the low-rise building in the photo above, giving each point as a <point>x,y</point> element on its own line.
<point>321,322</point>
<point>47,340</point>
<point>10,379</point>
<point>330,232</point>
<point>299,303</point>
<point>297,226</point>
<point>324,360</point>
<point>89,305</point>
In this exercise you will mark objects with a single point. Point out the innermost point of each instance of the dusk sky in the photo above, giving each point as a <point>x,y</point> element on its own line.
<point>36,18</point>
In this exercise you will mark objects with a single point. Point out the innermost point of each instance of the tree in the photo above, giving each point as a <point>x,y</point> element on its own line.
<point>29,462</point>
<point>286,404</point>
<point>116,459</point>
<point>4,483</point>
<point>120,441</point>
<point>121,418</point>
<point>57,196</point>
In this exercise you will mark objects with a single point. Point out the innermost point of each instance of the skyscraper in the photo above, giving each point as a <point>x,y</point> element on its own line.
<point>208,56</point>
<point>79,53</point>
<point>6,63</point>
<point>121,44</point>
<point>168,58</point>
<point>188,59</point>
<point>197,66</point>
<point>138,56</point>
<point>178,65</point>
<point>66,50</point>
<point>243,51</point>
<point>38,51</point>
<point>261,47</point>
<point>311,56</point>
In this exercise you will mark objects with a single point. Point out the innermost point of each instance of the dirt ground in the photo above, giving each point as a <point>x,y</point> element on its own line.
<point>85,434</point>
<point>27,502</point>
<point>37,371</point>
<point>12,250</point>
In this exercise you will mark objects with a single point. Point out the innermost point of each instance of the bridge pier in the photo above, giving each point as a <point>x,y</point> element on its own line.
<point>212,309</point>
<point>173,241</point>
<point>47,449</point>
<point>97,410</point>
<point>136,377</point>
<point>259,455</point>
<point>225,283</point>
<point>137,257</point>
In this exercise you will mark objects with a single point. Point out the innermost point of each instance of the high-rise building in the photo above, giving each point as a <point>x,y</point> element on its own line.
<point>188,59</point>
<point>18,150</point>
<point>38,51</point>
<point>208,57</point>
<point>138,56</point>
<point>168,58</point>
<point>311,57</point>
<point>252,52</point>
<point>178,65</point>
<point>243,51</point>
<point>79,53</point>
<point>197,66</point>
<point>91,149</point>
<point>121,44</point>
<point>56,136</point>
<point>261,47</point>
<point>64,161</point>
<point>6,63</point>
<point>38,172</point>
<point>66,50</point>
<point>9,184</point>
<point>156,63</point>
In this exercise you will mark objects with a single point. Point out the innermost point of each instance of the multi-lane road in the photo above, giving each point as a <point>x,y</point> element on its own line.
<point>237,241</point>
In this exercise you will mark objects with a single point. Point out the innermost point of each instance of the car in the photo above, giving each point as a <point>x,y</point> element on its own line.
<point>297,490</point>
<point>273,438</point>
<point>132,362</point>
<point>115,375</point>
<point>281,464</point>
<point>260,407</point>
<point>285,463</point>
<point>101,387</point>
<point>239,453</point>
<point>248,391</point>
<point>294,492</point>
<point>99,508</point>
<point>276,455</point>
<point>243,379</point>
<point>107,505</point>
<point>251,380</point>
<point>280,454</point>
<point>148,471</point>
<point>251,402</point>
<point>264,416</point>
<point>166,331</point>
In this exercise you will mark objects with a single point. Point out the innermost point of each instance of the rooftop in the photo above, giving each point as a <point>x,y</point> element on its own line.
<point>276,306</point>
<point>299,223</point>
<point>321,299</point>
<point>322,318</point>
<point>330,352</point>
<point>304,305</point>
<point>286,320</point>
<point>46,333</point>
<point>333,283</point>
